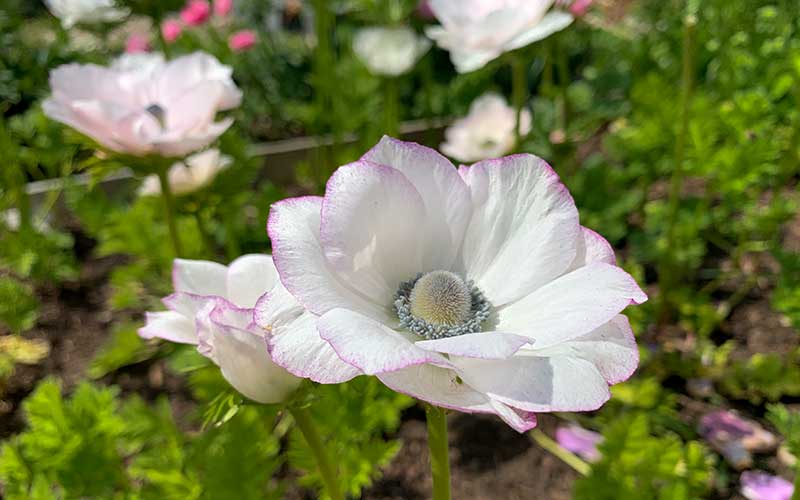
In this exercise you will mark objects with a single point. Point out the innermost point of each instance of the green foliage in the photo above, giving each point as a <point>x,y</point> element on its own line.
<point>352,418</point>
<point>19,308</point>
<point>638,464</point>
<point>93,445</point>
<point>123,348</point>
<point>788,424</point>
<point>763,377</point>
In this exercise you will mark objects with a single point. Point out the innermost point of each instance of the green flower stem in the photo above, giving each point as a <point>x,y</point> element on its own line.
<point>437,444</point>
<point>796,494</point>
<point>169,210</point>
<point>554,448</point>
<point>326,467</point>
<point>322,78</point>
<point>667,271</point>
<point>205,234</point>
<point>162,42</point>
<point>519,89</point>
<point>391,124</point>
<point>562,64</point>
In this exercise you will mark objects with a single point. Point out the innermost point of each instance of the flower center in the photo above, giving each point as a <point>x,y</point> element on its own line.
<point>440,304</point>
<point>157,112</point>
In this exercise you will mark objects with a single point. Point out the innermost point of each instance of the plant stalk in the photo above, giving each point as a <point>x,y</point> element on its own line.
<point>519,90</point>
<point>391,124</point>
<point>169,211</point>
<point>568,458</point>
<point>667,274</point>
<point>326,467</point>
<point>437,445</point>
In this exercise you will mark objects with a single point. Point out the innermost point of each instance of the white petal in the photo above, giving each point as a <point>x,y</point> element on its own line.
<point>249,277</point>
<point>200,277</point>
<point>519,420</point>
<point>372,230</point>
<point>445,196</point>
<point>485,345</point>
<point>572,305</point>
<point>592,248</point>
<point>551,23</point>
<point>294,342</point>
<point>438,386</point>
<point>296,250</point>
<point>538,384</point>
<point>524,230</point>
<point>611,348</point>
<point>169,325</point>
<point>370,346</point>
<point>245,363</point>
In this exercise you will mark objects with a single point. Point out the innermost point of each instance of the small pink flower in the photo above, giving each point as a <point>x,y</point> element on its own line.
<point>579,441</point>
<point>758,485</point>
<point>137,43</point>
<point>196,12</point>
<point>171,29</point>
<point>242,40</point>
<point>223,7</point>
<point>579,8</point>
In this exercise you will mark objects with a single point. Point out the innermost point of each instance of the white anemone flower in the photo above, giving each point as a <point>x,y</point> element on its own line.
<point>72,12</point>
<point>478,31</point>
<point>212,307</point>
<point>486,132</point>
<point>389,51</point>
<point>474,289</point>
<point>155,108</point>
<point>190,175</point>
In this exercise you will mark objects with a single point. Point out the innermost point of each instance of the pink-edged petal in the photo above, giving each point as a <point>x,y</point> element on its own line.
<point>519,420</point>
<point>438,386</point>
<point>484,345</point>
<point>244,360</point>
<point>572,305</point>
<point>169,325</point>
<point>199,277</point>
<point>445,196</point>
<point>538,384</point>
<point>524,229</point>
<point>297,252</point>
<point>592,248</point>
<point>188,304</point>
<point>370,346</point>
<point>249,277</point>
<point>372,229</point>
<point>295,344</point>
<point>611,348</point>
<point>177,144</point>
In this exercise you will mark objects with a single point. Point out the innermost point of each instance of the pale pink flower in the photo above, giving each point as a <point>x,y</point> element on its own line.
<point>196,12</point>
<point>190,175</point>
<point>72,12</point>
<point>242,40</point>
<point>157,107</point>
<point>756,485</point>
<point>137,43</point>
<point>478,31</point>
<point>474,289</point>
<point>579,8</point>
<point>486,132</point>
<point>389,51</point>
<point>223,7</point>
<point>580,441</point>
<point>171,29</point>
<point>212,308</point>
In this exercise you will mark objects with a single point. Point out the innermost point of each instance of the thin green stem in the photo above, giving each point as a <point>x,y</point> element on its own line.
<point>796,494</point>
<point>391,123</point>
<point>169,211</point>
<point>322,78</point>
<point>519,89</point>
<point>205,234</point>
<point>162,42</point>
<point>327,468</point>
<point>568,458</point>
<point>667,269</point>
<point>437,445</point>
<point>562,63</point>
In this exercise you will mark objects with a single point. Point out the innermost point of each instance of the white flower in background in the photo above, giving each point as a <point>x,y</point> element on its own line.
<point>478,31</point>
<point>139,62</point>
<point>486,132</point>
<point>192,174</point>
<point>72,12</point>
<point>389,51</point>
<point>159,108</point>
<point>212,308</point>
<point>474,289</point>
